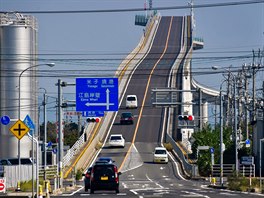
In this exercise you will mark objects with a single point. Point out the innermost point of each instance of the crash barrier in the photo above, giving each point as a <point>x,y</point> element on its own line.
<point>189,168</point>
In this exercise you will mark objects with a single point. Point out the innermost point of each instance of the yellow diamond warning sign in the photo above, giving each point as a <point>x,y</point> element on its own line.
<point>19,129</point>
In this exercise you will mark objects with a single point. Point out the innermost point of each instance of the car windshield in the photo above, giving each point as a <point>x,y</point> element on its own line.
<point>159,151</point>
<point>126,115</point>
<point>131,98</point>
<point>116,137</point>
<point>105,159</point>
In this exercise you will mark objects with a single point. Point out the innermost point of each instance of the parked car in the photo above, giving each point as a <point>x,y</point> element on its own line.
<point>87,176</point>
<point>160,155</point>
<point>127,118</point>
<point>131,101</point>
<point>104,160</point>
<point>116,140</point>
<point>104,177</point>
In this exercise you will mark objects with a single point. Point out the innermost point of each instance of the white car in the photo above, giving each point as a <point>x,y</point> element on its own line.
<point>131,101</point>
<point>160,155</point>
<point>116,140</point>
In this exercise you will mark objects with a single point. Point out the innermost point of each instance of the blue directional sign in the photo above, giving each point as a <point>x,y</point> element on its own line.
<point>212,150</point>
<point>28,121</point>
<point>247,141</point>
<point>55,150</point>
<point>5,120</point>
<point>49,144</point>
<point>93,113</point>
<point>96,94</point>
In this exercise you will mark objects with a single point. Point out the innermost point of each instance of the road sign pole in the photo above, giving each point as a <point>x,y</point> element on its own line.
<point>33,190</point>
<point>19,129</point>
<point>19,166</point>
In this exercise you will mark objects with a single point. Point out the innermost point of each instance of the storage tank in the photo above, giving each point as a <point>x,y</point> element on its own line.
<point>18,45</point>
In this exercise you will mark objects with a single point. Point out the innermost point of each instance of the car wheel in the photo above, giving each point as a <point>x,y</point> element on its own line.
<point>91,191</point>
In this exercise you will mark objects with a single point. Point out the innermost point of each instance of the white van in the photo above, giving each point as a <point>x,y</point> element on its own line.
<point>131,101</point>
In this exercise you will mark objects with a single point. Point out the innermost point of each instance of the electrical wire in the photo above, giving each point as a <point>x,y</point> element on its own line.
<point>141,9</point>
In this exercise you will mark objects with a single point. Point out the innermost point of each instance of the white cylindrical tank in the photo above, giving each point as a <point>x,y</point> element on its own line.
<point>18,47</point>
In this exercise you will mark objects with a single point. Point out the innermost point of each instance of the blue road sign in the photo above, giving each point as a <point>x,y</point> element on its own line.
<point>29,122</point>
<point>96,94</point>
<point>54,150</point>
<point>212,150</point>
<point>93,114</point>
<point>5,120</point>
<point>49,144</point>
<point>247,141</point>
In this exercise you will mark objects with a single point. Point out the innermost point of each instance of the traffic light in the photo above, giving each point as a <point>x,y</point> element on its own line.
<point>186,117</point>
<point>93,119</point>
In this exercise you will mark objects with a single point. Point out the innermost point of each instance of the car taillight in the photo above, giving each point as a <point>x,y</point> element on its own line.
<point>116,174</point>
<point>87,175</point>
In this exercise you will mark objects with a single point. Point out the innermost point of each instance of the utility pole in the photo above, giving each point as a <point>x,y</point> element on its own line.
<point>45,135</point>
<point>221,138</point>
<point>60,132</point>
<point>235,125</point>
<point>200,110</point>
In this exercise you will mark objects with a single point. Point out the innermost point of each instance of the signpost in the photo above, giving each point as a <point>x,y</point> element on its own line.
<point>28,121</point>
<point>247,142</point>
<point>19,129</point>
<point>93,113</point>
<point>3,185</point>
<point>96,94</point>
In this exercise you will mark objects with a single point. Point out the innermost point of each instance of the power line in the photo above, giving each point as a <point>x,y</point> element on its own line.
<point>142,9</point>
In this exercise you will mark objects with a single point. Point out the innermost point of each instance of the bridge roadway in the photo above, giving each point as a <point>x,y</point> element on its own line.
<point>140,176</point>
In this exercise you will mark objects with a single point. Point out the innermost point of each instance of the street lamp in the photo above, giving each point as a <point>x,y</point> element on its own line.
<point>19,112</point>
<point>19,83</point>
<point>235,116</point>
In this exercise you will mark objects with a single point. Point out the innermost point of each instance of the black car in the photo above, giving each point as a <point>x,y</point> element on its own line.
<point>127,117</point>
<point>104,177</point>
<point>87,176</point>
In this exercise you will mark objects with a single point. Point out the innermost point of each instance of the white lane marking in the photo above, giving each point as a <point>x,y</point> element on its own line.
<point>133,191</point>
<point>226,193</point>
<point>193,194</point>
<point>154,182</point>
<point>177,168</point>
<point>83,195</point>
<point>74,192</point>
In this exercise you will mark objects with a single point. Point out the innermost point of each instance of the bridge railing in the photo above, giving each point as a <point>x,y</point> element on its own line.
<point>75,149</point>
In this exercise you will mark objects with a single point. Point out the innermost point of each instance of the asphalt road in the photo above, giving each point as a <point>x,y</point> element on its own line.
<point>140,176</point>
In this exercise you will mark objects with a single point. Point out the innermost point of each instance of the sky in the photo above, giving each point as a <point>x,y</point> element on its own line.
<point>94,44</point>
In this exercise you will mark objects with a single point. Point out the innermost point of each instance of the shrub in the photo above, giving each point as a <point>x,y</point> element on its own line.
<point>78,175</point>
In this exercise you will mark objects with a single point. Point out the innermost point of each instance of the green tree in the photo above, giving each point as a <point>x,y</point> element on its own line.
<point>209,137</point>
<point>71,133</point>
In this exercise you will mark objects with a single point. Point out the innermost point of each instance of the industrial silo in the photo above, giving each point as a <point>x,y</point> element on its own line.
<point>18,49</point>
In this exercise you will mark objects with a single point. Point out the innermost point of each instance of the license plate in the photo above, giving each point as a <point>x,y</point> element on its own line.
<point>104,178</point>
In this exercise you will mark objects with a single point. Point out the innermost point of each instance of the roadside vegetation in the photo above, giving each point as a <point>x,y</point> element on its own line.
<point>211,137</point>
